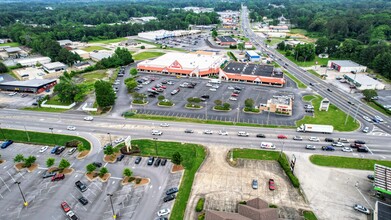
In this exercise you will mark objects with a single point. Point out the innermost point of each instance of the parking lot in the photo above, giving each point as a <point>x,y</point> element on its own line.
<point>192,42</point>
<point>16,101</point>
<point>44,196</point>
<point>258,93</point>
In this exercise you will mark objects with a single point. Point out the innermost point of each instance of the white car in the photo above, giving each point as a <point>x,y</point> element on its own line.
<point>314,139</point>
<point>223,133</point>
<point>216,86</point>
<point>310,147</point>
<point>347,149</point>
<point>366,118</point>
<point>163,212</point>
<point>164,125</point>
<point>208,132</point>
<point>379,118</point>
<point>88,118</point>
<point>233,99</point>
<point>209,85</point>
<point>156,132</point>
<point>362,209</point>
<point>213,89</point>
<point>231,88</point>
<point>71,128</point>
<point>119,140</point>
<point>338,144</point>
<point>43,149</point>
<point>365,130</point>
<point>12,94</point>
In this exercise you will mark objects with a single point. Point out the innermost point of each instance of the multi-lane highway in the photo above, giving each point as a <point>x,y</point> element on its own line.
<point>337,97</point>
<point>41,121</point>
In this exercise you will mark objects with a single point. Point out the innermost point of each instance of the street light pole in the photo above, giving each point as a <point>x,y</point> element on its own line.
<point>355,114</point>
<point>111,143</point>
<point>347,115</point>
<point>356,185</point>
<point>112,207</point>
<point>155,139</point>
<point>54,138</point>
<point>237,116</point>
<point>206,111</point>
<point>25,203</point>
<point>27,134</point>
<point>2,132</point>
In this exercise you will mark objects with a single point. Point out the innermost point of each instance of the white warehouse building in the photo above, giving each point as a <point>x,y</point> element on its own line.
<point>346,66</point>
<point>362,81</point>
<point>163,34</point>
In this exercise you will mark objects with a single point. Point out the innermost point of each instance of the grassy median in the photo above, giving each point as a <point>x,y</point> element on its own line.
<point>334,116</point>
<point>40,138</point>
<point>193,155</point>
<point>299,84</point>
<point>347,162</point>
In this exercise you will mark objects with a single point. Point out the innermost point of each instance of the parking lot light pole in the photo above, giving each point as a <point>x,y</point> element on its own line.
<point>25,203</point>
<point>2,132</point>
<point>155,139</point>
<point>356,185</point>
<point>112,207</point>
<point>206,111</point>
<point>111,143</point>
<point>54,138</point>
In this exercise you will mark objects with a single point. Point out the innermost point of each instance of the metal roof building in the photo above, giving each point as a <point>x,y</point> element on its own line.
<point>30,86</point>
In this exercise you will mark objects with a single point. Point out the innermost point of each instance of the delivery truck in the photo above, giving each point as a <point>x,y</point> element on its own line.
<point>325,129</point>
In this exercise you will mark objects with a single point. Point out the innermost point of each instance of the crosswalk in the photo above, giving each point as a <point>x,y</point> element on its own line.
<point>378,132</point>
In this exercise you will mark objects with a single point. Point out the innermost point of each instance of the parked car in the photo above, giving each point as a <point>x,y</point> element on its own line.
<point>6,143</point>
<point>47,174</point>
<point>371,177</point>
<point>171,191</point>
<point>310,147</point>
<point>97,164</point>
<point>43,149</point>
<point>150,161</point>
<point>347,149</point>
<point>53,151</point>
<point>208,132</point>
<point>316,139</point>
<point>328,148</point>
<point>164,162</point>
<point>119,140</point>
<point>297,138</point>
<point>261,136</point>
<point>72,150</point>
<point>233,99</point>
<point>169,198</point>
<point>138,160</point>
<point>83,200</point>
<point>60,150</point>
<point>254,184</point>
<point>163,212</point>
<point>271,184</point>
<point>281,136</point>
<point>81,186</point>
<point>157,162</point>
<point>189,131</point>
<point>58,177</point>
<point>65,207</point>
<point>120,157</point>
<point>361,209</point>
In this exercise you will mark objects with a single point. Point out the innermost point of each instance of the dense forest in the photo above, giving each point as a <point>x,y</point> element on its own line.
<point>346,29</point>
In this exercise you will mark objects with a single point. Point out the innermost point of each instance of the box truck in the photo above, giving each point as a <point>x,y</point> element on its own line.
<point>325,129</point>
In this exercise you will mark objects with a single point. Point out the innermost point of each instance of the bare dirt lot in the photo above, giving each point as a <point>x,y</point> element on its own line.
<point>224,186</point>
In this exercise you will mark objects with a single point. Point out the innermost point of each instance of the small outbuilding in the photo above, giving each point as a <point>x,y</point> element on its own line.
<point>362,81</point>
<point>253,56</point>
<point>346,66</point>
<point>54,67</point>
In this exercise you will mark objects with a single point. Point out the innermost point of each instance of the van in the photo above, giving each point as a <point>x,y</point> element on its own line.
<point>267,145</point>
<point>242,134</point>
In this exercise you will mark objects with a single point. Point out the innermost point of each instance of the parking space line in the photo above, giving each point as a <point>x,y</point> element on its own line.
<point>11,176</point>
<point>5,184</point>
<point>21,175</point>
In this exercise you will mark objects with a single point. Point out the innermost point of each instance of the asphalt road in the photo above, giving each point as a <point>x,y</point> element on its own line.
<point>337,97</point>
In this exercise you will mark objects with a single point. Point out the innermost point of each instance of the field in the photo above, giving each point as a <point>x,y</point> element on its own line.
<point>274,41</point>
<point>94,75</point>
<point>146,55</point>
<point>333,116</point>
<point>37,109</point>
<point>109,41</point>
<point>321,61</point>
<point>12,44</point>
<point>347,162</point>
<point>92,48</point>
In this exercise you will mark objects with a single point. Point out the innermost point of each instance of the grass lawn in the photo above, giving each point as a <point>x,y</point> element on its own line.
<point>308,215</point>
<point>314,73</point>
<point>94,75</point>
<point>147,55</point>
<point>92,48</point>
<point>44,109</point>
<point>347,162</point>
<point>193,155</point>
<point>274,41</point>
<point>321,61</point>
<point>333,116</point>
<point>41,138</point>
<point>148,42</point>
<point>109,41</point>
<point>380,109</point>
<point>298,82</point>
<point>56,101</point>
<point>12,44</point>
<point>298,31</point>
<point>194,120</point>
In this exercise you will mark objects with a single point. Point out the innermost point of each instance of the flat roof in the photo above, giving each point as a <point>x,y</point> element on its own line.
<point>362,79</point>
<point>12,49</point>
<point>345,63</point>
<point>100,55</point>
<point>383,211</point>
<point>252,69</point>
<point>62,42</point>
<point>252,53</point>
<point>29,83</point>
<point>226,39</point>
<point>281,100</point>
<point>53,65</point>
<point>382,181</point>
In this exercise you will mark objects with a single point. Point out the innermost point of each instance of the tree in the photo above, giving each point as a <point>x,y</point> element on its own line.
<point>29,161</point>
<point>305,52</point>
<point>103,171</point>
<point>127,172</point>
<point>226,105</point>
<point>161,98</point>
<point>249,103</point>
<point>241,47</point>
<point>80,147</point>
<point>214,33</point>
<point>66,90</point>
<point>3,68</point>
<point>177,158</point>
<point>369,94</point>
<point>124,55</point>
<point>321,45</point>
<point>50,162</point>
<point>18,158</point>
<point>281,45</point>
<point>133,72</point>
<point>63,164</point>
<point>131,84</point>
<point>104,93</point>
<point>218,102</point>
<point>109,150</point>
<point>382,64</point>
<point>90,168</point>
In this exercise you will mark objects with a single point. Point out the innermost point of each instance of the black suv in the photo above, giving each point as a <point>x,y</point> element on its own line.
<point>163,163</point>
<point>205,96</point>
<point>150,161</point>
<point>363,149</point>
<point>261,136</point>
<point>172,191</point>
<point>81,186</point>
<point>329,140</point>
<point>169,198</point>
<point>97,164</point>
<point>120,157</point>
<point>359,142</point>
<point>138,160</point>
<point>60,150</point>
<point>83,200</point>
<point>157,162</point>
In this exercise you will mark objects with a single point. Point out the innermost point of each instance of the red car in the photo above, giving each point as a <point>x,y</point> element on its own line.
<point>271,184</point>
<point>153,88</point>
<point>281,136</point>
<point>65,207</point>
<point>163,87</point>
<point>234,95</point>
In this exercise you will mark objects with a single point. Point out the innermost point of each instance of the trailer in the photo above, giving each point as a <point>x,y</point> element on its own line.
<point>325,129</point>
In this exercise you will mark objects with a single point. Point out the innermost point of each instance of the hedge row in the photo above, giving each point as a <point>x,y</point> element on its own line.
<point>286,167</point>
<point>230,54</point>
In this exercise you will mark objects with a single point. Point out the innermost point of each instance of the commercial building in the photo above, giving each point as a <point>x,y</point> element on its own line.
<point>81,65</point>
<point>362,81</point>
<point>253,73</point>
<point>98,56</point>
<point>346,66</point>
<point>196,64</point>
<point>83,54</point>
<point>30,73</point>
<point>198,10</point>
<point>255,209</point>
<point>64,43</point>
<point>33,61</point>
<point>54,67</point>
<point>279,105</point>
<point>253,56</point>
<point>279,28</point>
<point>143,20</point>
<point>163,34</point>
<point>29,86</point>
<point>225,41</point>
<point>248,45</point>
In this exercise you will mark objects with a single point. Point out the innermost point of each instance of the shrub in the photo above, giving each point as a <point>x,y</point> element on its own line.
<point>243,202</point>
<point>128,114</point>
<point>201,216</point>
<point>72,143</point>
<point>138,101</point>
<point>138,180</point>
<point>200,205</point>
<point>166,103</point>
<point>142,47</point>
<point>246,109</point>
<point>190,105</point>
<point>273,206</point>
<point>286,167</point>
<point>132,178</point>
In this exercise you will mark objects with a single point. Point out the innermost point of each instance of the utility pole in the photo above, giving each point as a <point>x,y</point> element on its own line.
<point>25,203</point>
<point>111,143</point>
<point>347,115</point>
<point>27,134</point>
<point>112,207</point>
<point>355,114</point>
